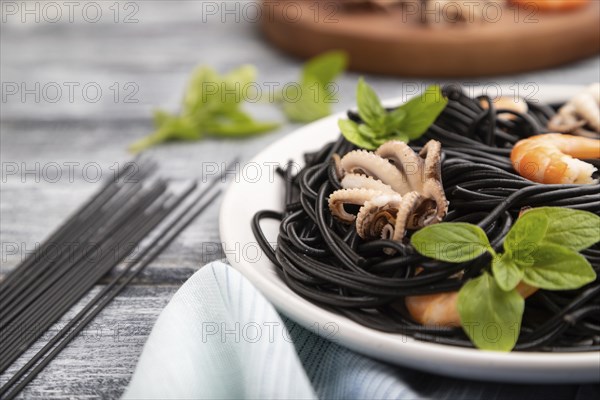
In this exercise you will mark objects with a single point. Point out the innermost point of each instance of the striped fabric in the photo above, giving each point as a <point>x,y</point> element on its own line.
<point>219,338</point>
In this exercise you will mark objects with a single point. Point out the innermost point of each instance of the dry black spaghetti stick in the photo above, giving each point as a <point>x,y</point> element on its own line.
<point>65,296</point>
<point>37,287</point>
<point>43,303</point>
<point>93,203</point>
<point>161,213</point>
<point>169,208</point>
<point>188,216</point>
<point>85,262</point>
<point>37,284</point>
<point>79,234</point>
<point>34,262</point>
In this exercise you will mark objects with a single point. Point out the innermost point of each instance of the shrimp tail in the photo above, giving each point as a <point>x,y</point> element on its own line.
<point>554,158</point>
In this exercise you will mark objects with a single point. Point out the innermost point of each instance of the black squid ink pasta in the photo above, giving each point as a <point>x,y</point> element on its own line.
<point>326,262</point>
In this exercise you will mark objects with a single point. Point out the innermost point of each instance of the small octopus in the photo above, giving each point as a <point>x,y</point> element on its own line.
<point>396,189</point>
<point>581,115</point>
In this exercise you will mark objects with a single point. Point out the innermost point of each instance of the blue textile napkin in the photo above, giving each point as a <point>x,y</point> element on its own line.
<point>219,338</point>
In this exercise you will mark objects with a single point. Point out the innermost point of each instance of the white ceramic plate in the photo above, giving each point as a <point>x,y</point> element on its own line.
<point>251,193</point>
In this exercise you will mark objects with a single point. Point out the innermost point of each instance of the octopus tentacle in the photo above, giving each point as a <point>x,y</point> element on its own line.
<point>392,198</point>
<point>432,154</point>
<point>579,114</point>
<point>406,161</point>
<point>364,162</point>
<point>337,162</point>
<point>406,212</point>
<point>565,121</point>
<point>357,196</point>
<point>433,189</point>
<point>351,181</point>
<point>586,106</point>
<point>373,217</point>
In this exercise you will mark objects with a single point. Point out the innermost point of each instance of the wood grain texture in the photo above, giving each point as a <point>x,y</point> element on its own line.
<point>157,54</point>
<point>506,40</point>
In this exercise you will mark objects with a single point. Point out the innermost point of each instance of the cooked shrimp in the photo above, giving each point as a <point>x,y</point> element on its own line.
<point>549,158</point>
<point>517,104</point>
<point>441,309</point>
<point>438,309</point>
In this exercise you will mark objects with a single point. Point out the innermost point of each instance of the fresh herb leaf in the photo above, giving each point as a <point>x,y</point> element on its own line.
<point>394,118</point>
<point>422,111</point>
<point>574,229</point>
<point>352,133</point>
<point>490,316</point>
<point>305,109</point>
<point>558,268</point>
<point>524,236</point>
<point>169,127</point>
<point>160,117</point>
<point>325,68</point>
<point>396,136</point>
<point>407,122</point>
<point>453,242</point>
<point>316,89</point>
<point>540,251</point>
<point>506,272</point>
<point>238,124</point>
<point>369,106</point>
<point>211,106</point>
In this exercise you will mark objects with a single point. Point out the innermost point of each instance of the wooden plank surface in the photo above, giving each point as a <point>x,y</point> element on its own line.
<point>156,55</point>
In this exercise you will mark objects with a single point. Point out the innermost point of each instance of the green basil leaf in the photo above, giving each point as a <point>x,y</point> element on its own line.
<point>160,117</point>
<point>211,105</point>
<point>400,136</point>
<point>406,122</point>
<point>369,106</point>
<point>506,272</point>
<point>324,68</point>
<point>202,92</point>
<point>490,316</point>
<point>369,132</point>
<point>240,129</point>
<point>170,128</point>
<point>524,237</point>
<point>574,229</point>
<point>453,242</point>
<point>422,111</point>
<point>558,268</point>
<point>306,109</point>
<point>238,124</point>
<point>394,118</point>
<point>316,91</point>
<point>352,134</point>
<point>241,76</point>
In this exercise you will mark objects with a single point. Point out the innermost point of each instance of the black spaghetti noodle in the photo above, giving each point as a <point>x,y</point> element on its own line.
<point>326,262</point>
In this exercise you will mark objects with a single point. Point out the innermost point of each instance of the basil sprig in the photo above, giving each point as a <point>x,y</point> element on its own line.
<point>316,91</point>
<point>541,250</point>
<point>211,106</point>
<point>405,123</point>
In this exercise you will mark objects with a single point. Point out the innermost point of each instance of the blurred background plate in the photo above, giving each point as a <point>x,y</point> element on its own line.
<point>507,40</point>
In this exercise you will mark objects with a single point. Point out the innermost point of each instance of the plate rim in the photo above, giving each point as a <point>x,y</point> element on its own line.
<point>530,367</point>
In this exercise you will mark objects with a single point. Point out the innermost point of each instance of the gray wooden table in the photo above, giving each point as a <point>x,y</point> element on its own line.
<point>79,83</point>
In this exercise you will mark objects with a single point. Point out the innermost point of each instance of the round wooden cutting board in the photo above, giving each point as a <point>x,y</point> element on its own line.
<point>510,40</point>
